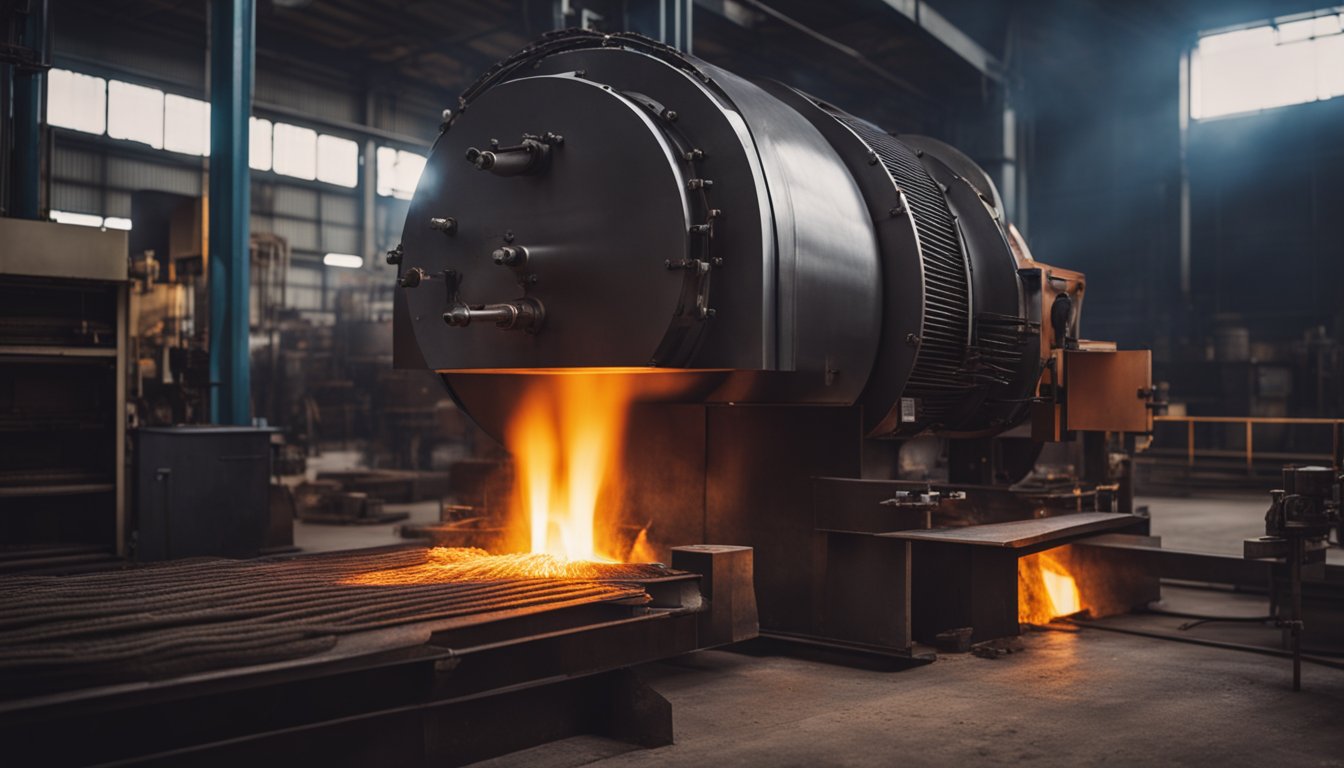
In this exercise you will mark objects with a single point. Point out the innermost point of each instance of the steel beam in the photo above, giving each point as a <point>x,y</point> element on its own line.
<point>945,32</point>
<point>232,65</point>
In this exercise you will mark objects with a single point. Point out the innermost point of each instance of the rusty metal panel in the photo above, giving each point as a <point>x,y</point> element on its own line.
<point>1107,390</point>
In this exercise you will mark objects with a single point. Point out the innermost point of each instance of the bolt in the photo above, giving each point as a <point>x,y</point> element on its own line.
<point>509,256</point>
<point>446,225</point>
<point>671,115</point>
<point>896,211</point>
<point>394,255</point>
<point>447,115</point>
<point>692,155</point>
<point>699,184</point>
<point>715,213</point>
<point>912,339</point>
<point>411,278</point>
<point>706,313</point>
<point>872,158</point>
<point>700,229</point>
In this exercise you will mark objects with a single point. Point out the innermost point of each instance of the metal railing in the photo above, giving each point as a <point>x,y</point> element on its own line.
<point>1336,427</point>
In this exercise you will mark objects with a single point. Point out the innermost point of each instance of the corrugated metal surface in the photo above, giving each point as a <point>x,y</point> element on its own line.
<point>76,198</point>
<point>128,173</point>
<point>341,239</point>
<point>70,164</point>
<point>302,235</point>
<point>311,98</point>
<point>342,208</point>
<point>294,202</point>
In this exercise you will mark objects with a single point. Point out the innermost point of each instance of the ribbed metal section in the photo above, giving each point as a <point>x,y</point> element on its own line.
<point>938,376</point>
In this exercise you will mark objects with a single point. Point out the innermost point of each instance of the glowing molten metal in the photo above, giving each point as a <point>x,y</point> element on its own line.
<point>566,438</point>
<point>1045,590</point>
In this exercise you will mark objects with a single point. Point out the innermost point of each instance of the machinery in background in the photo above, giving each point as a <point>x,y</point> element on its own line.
<point>1297,526</point>
<point>63,364</point>
<point>1287,385</point>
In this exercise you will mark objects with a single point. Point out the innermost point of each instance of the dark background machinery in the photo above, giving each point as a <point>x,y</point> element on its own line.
<point>792,289</point>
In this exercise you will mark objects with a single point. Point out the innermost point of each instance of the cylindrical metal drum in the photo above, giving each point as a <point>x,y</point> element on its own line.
<point>603,202</point>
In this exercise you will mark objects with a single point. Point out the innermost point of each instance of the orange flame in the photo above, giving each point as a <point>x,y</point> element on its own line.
<point>1045,589</point>
<point>566,438</point>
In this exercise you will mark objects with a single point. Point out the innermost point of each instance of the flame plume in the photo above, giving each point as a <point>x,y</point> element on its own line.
<point>566,438</point>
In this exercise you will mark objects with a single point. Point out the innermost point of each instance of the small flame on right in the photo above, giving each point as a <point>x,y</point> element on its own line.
<point>1045,589</point>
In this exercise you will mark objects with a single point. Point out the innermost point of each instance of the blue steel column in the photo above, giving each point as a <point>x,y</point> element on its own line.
<point>27,106</point>
<point>232,60</point>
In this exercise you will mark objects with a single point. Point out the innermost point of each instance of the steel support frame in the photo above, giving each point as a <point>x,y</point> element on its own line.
<point>232,67</point>
<point>462,697</point>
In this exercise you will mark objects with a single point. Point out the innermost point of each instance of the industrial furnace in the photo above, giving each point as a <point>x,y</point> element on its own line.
<point>712,309</point>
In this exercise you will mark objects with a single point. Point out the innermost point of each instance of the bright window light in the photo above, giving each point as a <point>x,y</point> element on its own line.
<point>398,172</point>
<point>337,161</point>
<point>76,101</point>
<point>295,151</point>
<point>117,222</point>
<point>344,260</point>
<point>186,125</point>
<point>82,219</point>
<point>259,138</point>
<point>135,112</point>
<point>1292,60</point>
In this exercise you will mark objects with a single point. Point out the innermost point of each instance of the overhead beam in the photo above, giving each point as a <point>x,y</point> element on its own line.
<point>947,33</point>
<point>232,65</point>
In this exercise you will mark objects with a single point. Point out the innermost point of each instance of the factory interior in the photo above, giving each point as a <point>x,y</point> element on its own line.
<point>975,394</point>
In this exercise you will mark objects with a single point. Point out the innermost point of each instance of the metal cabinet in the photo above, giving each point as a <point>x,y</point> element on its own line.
<point>201,490</point>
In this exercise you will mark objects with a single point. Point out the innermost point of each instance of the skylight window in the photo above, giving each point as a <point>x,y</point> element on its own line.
<point>76,101</point>
<point>135,112</point>
<point>295,151</point>
<point>186,125</point>
<point>1292,60</point>
<point>337,161</point>
<point>398,172</point>
<point>259,139</point>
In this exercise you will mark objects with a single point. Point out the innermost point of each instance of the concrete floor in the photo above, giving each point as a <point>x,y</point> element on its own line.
<point>1065,699</point>
<point>1087,697</point>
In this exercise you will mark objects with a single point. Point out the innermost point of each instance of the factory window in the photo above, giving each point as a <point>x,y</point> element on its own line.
<point>337,161</point>
<point>90,220</point>
<point>259,139</point>
<point>295,151</point>
<point>76,101</point>
<point>1290,61</point>
<point>135,113</point>
<point>398,172</point>
<point>186,125</point>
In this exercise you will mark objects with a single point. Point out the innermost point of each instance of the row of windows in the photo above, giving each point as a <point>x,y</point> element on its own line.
<point>344,260</point>
<point>181,124</point>
<point>1271,65</point>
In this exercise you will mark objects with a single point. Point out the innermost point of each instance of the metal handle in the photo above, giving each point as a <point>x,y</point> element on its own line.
<point>520,314</point>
